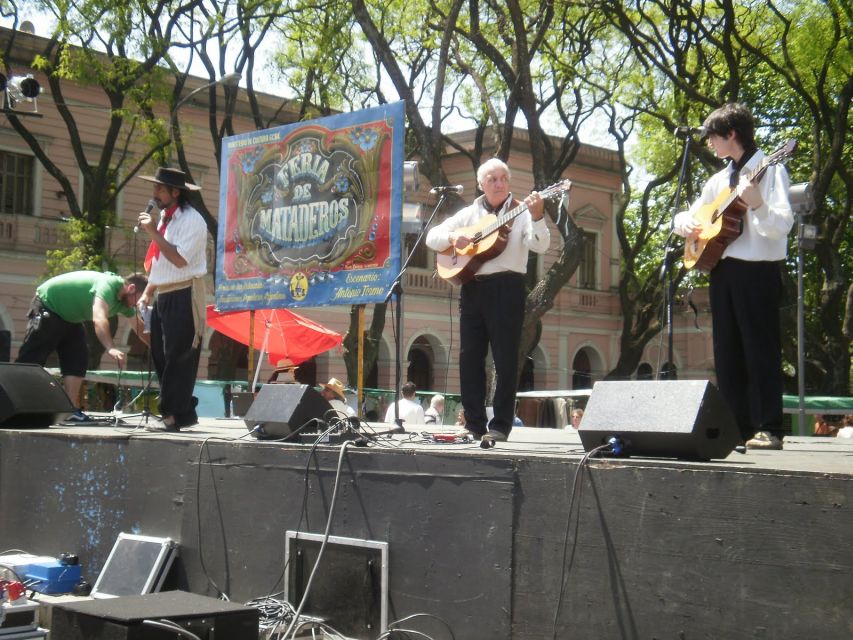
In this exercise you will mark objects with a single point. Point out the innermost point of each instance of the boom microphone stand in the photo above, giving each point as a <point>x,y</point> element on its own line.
<point>396,290</point>
<point>666,274</point>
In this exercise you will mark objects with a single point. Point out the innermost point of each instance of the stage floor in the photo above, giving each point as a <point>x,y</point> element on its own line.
<point>803,454</point>
<point>517,542</point>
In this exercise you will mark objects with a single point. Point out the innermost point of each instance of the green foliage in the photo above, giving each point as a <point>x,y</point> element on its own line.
<point>80,239</point>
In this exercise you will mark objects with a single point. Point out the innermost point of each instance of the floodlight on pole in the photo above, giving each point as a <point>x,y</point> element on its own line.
<point>20,89</point>
<point>802,204</point>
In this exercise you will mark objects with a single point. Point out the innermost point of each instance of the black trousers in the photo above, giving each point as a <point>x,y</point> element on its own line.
<point>175,359</point>
<point>46,333</point>
<point>491,314</point>
<point>745,302</point>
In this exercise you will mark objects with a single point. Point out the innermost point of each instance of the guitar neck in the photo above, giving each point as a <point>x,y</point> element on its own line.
<point>753,176</point>
<point>758,173</point>
<point>508,216</point>
<point>505,218</point>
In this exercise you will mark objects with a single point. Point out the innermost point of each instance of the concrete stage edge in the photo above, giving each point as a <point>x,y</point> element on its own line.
<point>753,546</point>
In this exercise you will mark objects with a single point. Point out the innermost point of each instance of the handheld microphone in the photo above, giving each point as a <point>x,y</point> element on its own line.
<point>686,131</point>
<point>148,209</point>
<point>458,189</point>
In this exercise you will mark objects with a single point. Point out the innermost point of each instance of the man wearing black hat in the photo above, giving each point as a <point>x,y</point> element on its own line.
<point>176,262</point>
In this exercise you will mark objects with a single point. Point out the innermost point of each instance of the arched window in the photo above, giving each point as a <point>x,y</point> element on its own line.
<point>420,367</point>
<point>526,382</point>
<point>581,371</point>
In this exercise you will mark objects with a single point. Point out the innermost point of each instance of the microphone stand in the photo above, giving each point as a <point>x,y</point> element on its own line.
<point>146,413</point>
<point>667,261</point>
<point>396,290</point>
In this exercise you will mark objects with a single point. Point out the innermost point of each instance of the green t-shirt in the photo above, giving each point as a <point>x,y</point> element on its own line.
<point>71,295</point>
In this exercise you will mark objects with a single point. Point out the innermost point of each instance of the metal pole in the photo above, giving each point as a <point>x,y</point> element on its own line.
<point>802,203</point>
<point>801,330</point>
<point>360,368</point>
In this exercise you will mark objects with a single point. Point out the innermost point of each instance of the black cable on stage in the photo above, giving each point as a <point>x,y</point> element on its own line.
<point>303,507</point>
<point>168,625</point>
<point>388,633</point>
<point>201,448</point>
<point>576,490</point>
<point>326,535</point>
<point>392,626</point>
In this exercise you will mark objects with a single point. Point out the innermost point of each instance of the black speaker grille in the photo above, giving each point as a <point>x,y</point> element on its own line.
<point>667,418</point>
<point>280,410</point>
<point>30,396</point>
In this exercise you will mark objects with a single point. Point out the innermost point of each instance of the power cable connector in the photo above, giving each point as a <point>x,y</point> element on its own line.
<point>617,446</point>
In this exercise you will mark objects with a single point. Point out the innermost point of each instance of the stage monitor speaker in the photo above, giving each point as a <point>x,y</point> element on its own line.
<point>155,616</point>
<point>30,396</point>
<point>686,419</point>
<point>280,410</point>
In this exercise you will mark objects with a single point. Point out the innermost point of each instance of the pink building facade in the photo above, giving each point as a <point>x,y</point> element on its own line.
<point>580,338</point>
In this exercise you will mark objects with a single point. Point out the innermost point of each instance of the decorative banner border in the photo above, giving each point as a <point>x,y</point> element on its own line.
<point>310,212</point>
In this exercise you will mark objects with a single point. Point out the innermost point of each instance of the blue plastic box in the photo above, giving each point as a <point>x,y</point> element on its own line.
<point>52,577</point>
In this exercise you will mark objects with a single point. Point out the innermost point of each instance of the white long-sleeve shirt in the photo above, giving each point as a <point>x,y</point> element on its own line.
<point>188,232</point>
<point>766,228</point>
<point>526,235</point>
<point>411,412</point>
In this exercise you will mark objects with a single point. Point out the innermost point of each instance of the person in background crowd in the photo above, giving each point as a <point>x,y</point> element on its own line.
<point>411,412</point>
<point>577,415</point>
<point>335,393</point>
<point>435,413</point>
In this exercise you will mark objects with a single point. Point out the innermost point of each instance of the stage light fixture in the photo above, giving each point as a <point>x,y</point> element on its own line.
<point>410,176</point>
<point>801,198</point>
<point>24,88</point>
<point>20,89</point>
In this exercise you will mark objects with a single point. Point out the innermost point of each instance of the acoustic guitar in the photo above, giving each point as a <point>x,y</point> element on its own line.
<point>489,238</point>
<point>722,219</point>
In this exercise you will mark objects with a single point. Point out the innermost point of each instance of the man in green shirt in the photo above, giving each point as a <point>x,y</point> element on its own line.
<point>56,317</point>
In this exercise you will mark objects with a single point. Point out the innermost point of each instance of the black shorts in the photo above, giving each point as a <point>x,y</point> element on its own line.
<point>46,333</point>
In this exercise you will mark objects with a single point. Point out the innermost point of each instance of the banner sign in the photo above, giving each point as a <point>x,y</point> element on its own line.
<point>310,212</point>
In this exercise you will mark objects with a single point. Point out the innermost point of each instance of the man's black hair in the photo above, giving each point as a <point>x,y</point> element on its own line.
<point>736,117</point>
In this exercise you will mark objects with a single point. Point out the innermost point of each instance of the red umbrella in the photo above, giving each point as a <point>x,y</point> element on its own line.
<point>280,333</point>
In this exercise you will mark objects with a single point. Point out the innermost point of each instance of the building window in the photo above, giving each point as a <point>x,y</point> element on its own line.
<point>586,268</point>
<point>420,367</point>
<point>16,183</point>
<point>581,371</point>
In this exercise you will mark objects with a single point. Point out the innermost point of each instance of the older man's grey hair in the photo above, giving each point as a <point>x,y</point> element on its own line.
<point>490,165</point>
<point>436,400</point>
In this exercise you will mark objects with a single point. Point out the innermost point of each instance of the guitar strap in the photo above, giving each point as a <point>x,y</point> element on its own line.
<point>736,167</point>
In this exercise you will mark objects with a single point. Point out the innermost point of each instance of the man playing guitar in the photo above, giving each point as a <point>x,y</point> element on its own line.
<point>746,284</point>
<point>491,303</point>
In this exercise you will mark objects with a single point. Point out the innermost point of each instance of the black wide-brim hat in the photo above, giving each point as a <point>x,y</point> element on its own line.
<point>174,178</point>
